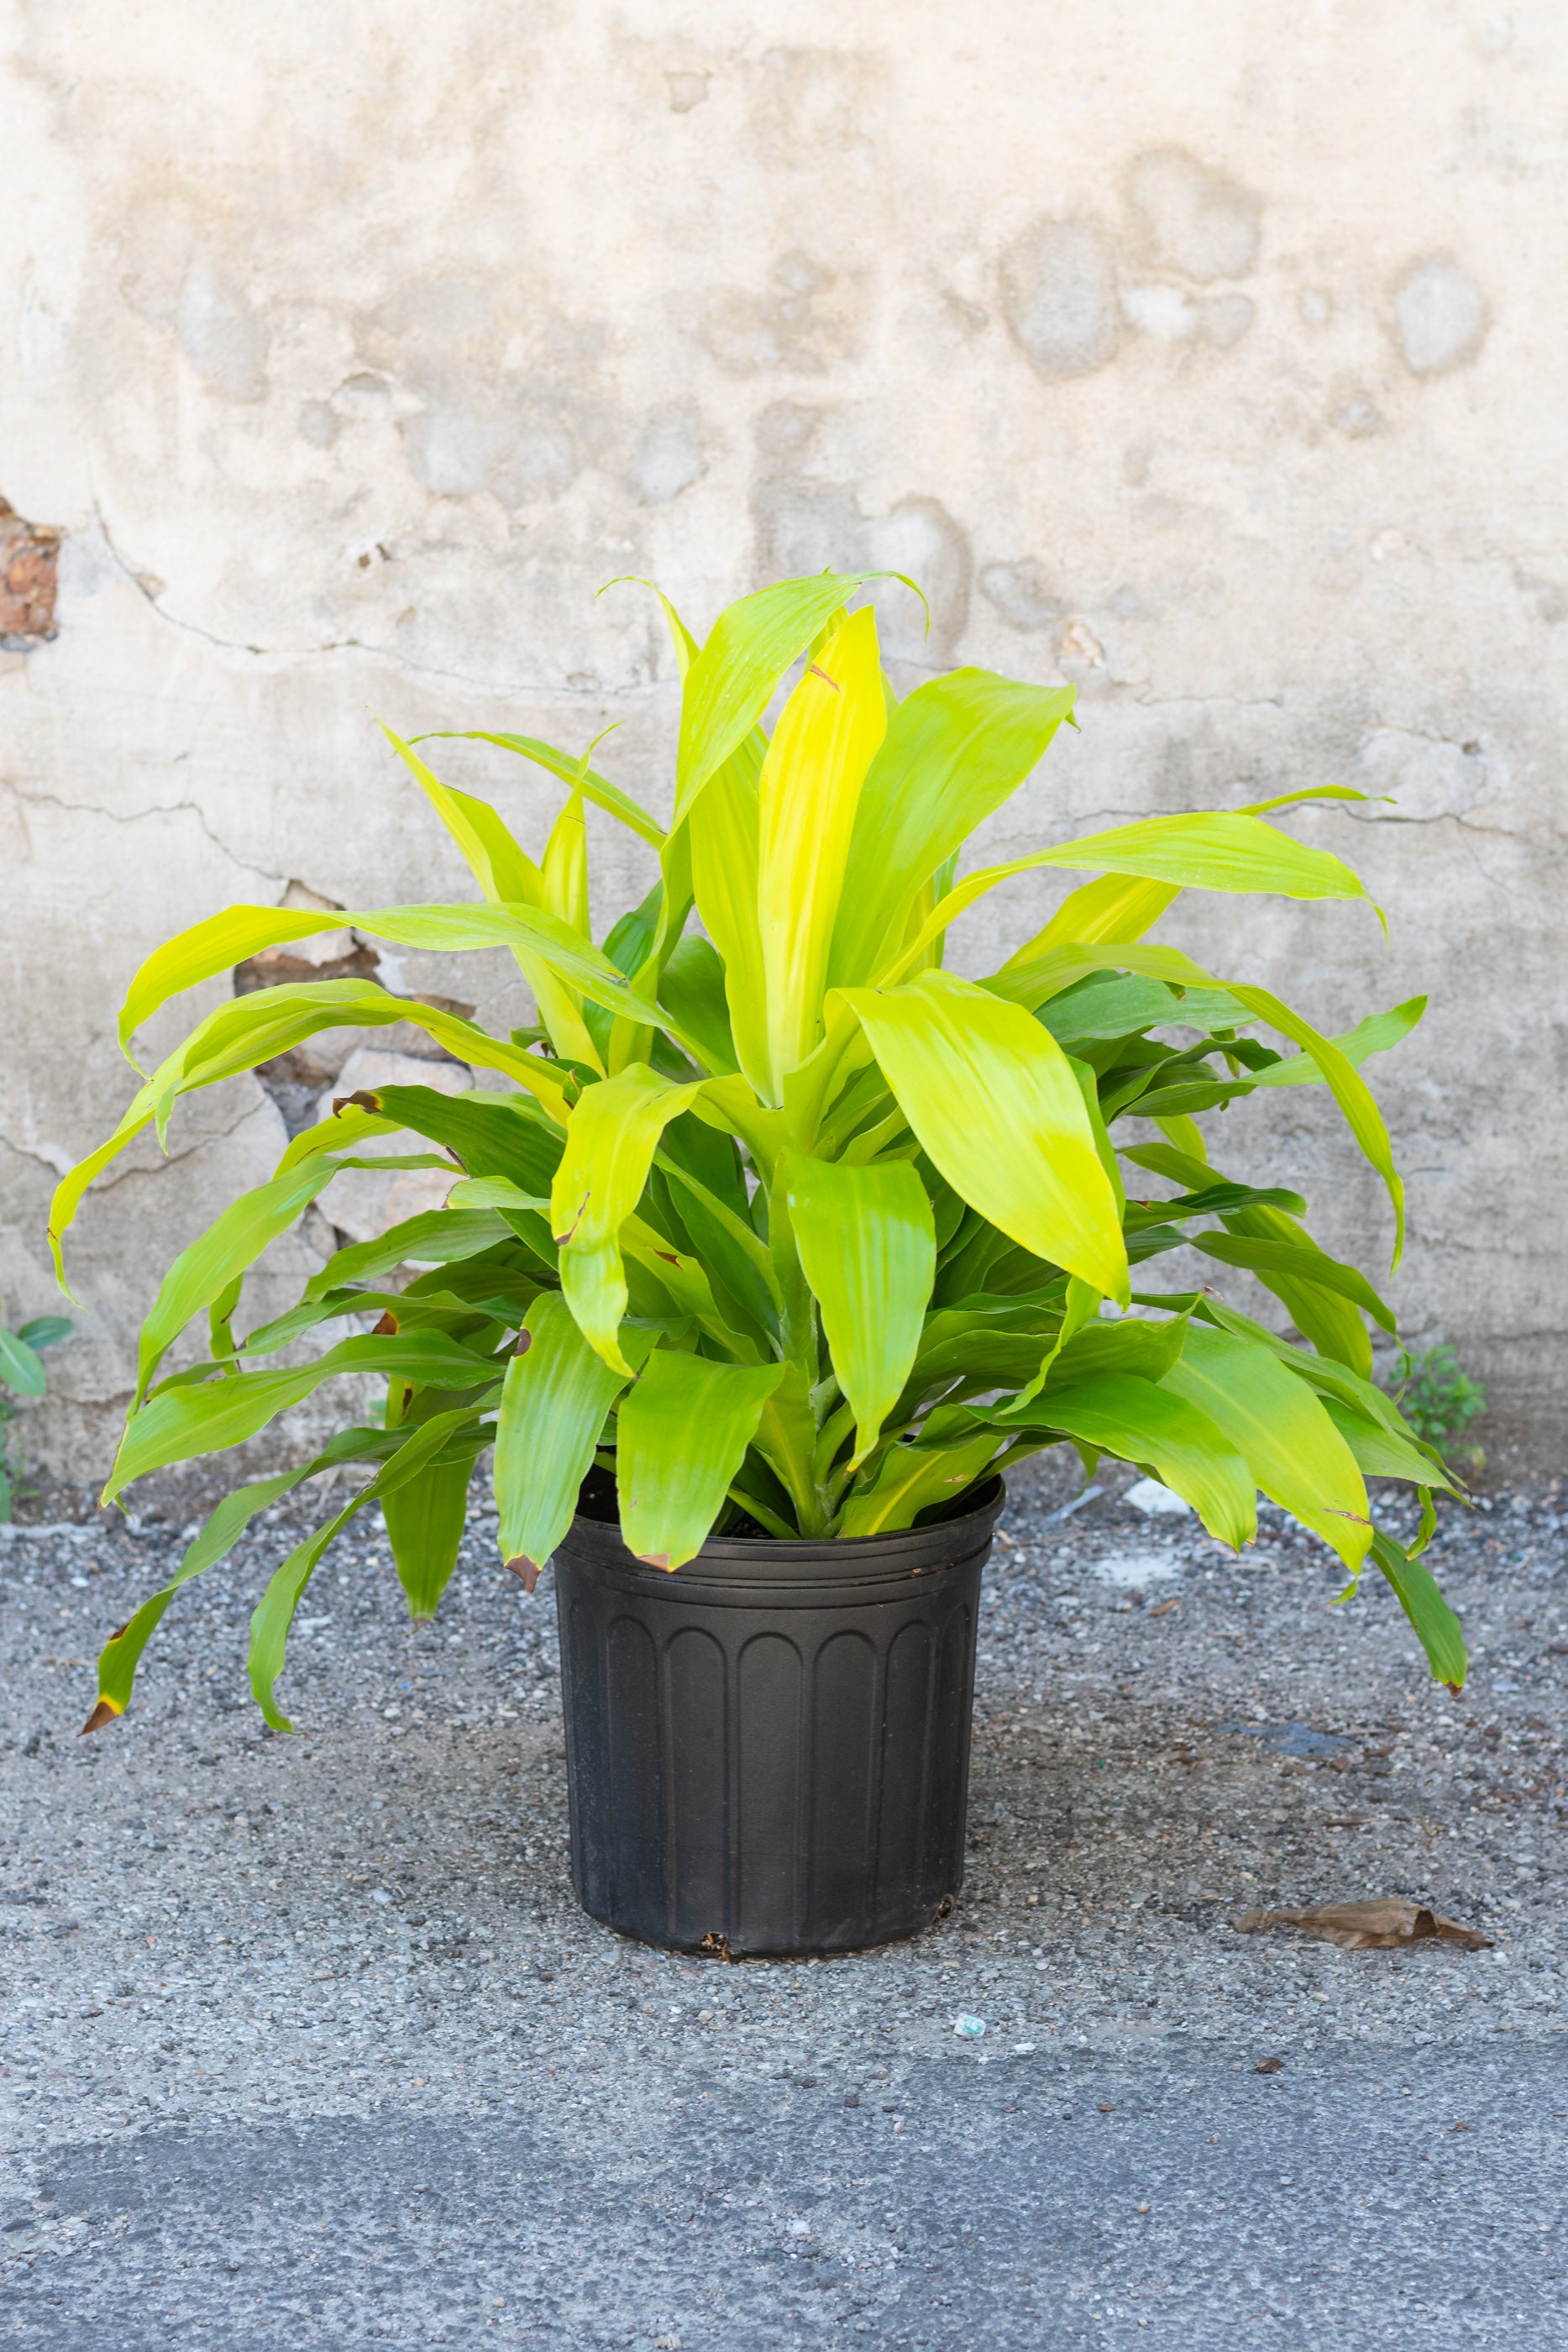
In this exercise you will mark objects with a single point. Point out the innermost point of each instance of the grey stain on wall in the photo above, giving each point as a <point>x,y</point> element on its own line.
<point>788,431</point>
<point>1196,219</point>
<point>1440,316</point>
<point>487,419</point>
<point>220,332</point>
<point>317,424</point>
<point>669,454</point>
<point>920,538</point>
<point>1352,413</point>
<point>1417,778</point>
<point>1021,594</point>
<point>805,527</point>
<point>811,103</point>
<point>1226,318</point>
<point>1058,293</point>
<point>803,324</point>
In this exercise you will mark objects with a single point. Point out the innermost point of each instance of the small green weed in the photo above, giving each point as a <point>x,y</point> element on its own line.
<point>1440,1402</point>
<point>22,1373</point>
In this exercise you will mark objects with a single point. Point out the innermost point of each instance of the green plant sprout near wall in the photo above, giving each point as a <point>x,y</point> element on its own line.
<point>777,1220</point>
<point>1439,1402</point>
<point>22,1374</point>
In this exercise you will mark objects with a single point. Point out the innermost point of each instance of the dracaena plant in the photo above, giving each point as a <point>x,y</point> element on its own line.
<point>771,1215</point>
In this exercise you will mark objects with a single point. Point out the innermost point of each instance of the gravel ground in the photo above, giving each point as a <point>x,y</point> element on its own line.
<point>306,2043</point>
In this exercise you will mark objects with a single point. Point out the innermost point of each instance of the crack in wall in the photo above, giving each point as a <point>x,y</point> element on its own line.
<point>1130,695</point>
<point>284,657</point>
<point>126,1171</point>
<point>139,817</point>
<point>60,1162</point>
<point>47,1155</point>
<point>1491,833</point>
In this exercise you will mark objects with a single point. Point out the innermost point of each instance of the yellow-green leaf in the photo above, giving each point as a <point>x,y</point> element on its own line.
<point>723,831</point>
<point>1201,852</point>
<point>1323,1310</point>
<point>681,1436</point>
<point>564,872</point>
<point>247,1030</point>
<point>508,877</point>
<point>910,1479</point>
<point>346,1128</point>
<point>1058,967</point>
<point>994,1102</point>
<point>1375,1035</point>
<point>208,947</point>
<point>435,1237</point>
<point>557,1394</point>
<point>274,1614</point>
<point>571,771</point>
<point>954,751</point>
<point>748,649</point>
<point>1381,1452</point>
<point>693,987</point>
<point>177,1423</point>
<point>610,1144</point>
<point>535,930</point>
<point>1346,1085</point>
<point>424,1522</point>
<point>868,1244</point>
<point>1267,1251</point>
<point>1113,908</point>
<point>806,792</point>
<point>502,869</point>
<point>1195,1454</point>
<point>1292,1448</point>
<point>235,1241</point>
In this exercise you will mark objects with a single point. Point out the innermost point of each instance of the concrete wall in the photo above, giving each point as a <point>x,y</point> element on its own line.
<point>1210,354</point>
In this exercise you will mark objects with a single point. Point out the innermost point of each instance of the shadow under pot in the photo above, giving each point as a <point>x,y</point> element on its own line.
<point>767,1751</point>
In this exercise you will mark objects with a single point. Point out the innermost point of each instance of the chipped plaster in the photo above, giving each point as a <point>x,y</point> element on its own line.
<point>349,362</point>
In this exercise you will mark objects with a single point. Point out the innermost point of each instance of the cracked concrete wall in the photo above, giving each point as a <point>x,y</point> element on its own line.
<point>1203,354</point>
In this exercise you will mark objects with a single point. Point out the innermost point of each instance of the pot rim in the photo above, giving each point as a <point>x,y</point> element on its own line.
<point>806,1560</point>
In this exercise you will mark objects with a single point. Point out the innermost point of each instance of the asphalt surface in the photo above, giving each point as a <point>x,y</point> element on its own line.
<point>1102,2198</point>
<point>303,2043</point>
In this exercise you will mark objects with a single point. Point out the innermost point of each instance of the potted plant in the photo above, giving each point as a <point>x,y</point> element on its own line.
<point>769,1250</point>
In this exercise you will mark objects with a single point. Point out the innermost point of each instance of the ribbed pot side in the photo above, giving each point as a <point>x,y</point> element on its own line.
<point>769,1750</point>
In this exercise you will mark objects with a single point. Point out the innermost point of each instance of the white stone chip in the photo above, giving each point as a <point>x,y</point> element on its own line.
<point>1154,1500</point>
<point>1134,1569</point>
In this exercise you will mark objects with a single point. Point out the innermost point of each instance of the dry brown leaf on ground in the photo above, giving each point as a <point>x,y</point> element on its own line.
<point>1389,1921</point>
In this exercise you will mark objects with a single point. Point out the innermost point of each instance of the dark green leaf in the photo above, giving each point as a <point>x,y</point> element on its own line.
<point>1438,1629</point>
<point>20,1365</point>
<point>46,1330</point>
<point>439,1237</point>
<point>424,1526</point>
<point>694,987</point>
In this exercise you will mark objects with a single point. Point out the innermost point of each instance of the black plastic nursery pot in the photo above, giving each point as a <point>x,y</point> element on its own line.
<point>767,1751</point>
